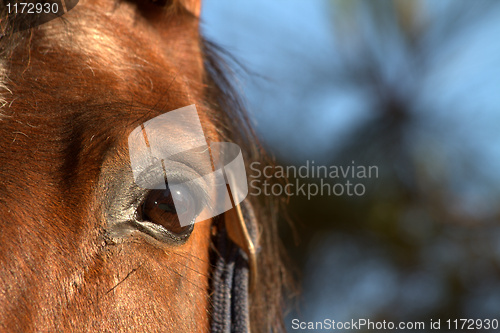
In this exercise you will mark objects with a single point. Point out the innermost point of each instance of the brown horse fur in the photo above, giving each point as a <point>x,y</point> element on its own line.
<point>72,89</point>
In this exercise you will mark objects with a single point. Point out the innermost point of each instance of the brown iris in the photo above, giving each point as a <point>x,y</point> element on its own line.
<point>159,208</point>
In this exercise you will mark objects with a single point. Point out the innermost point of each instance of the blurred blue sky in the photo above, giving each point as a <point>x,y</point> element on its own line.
<point>288,44</point>
<point>304,108</point>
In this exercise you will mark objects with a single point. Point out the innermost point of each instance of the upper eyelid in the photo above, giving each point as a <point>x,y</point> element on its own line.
<point>177,173</point>
<point>180,174</point>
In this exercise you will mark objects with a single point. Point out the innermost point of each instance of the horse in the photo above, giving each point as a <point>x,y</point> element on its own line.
<point>72,89</point>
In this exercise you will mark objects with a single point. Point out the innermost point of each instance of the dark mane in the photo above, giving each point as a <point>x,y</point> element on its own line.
<point>274,283</point>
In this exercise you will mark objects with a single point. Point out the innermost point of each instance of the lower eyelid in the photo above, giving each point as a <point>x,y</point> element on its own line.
<point>163,234</point>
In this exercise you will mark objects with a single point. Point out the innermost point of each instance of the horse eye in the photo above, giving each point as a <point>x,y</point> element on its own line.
<point>158,208</point>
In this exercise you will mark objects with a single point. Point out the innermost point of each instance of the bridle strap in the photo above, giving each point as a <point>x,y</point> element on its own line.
<point>230,277</point>
<point>244,236</point>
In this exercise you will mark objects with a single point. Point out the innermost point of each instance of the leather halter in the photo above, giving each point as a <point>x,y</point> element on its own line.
<point>235,270</point>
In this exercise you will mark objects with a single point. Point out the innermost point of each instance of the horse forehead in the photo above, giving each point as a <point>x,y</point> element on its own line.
<point>105,45</point>
<point>98,66</point>
<point>88,103</point>
<point>132,60</point>
<point>123,36</point>
<point>84,75</point>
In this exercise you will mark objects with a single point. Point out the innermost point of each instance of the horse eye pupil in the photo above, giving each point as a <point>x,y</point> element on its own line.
<point>167,208</point>
<point>159,208</point>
